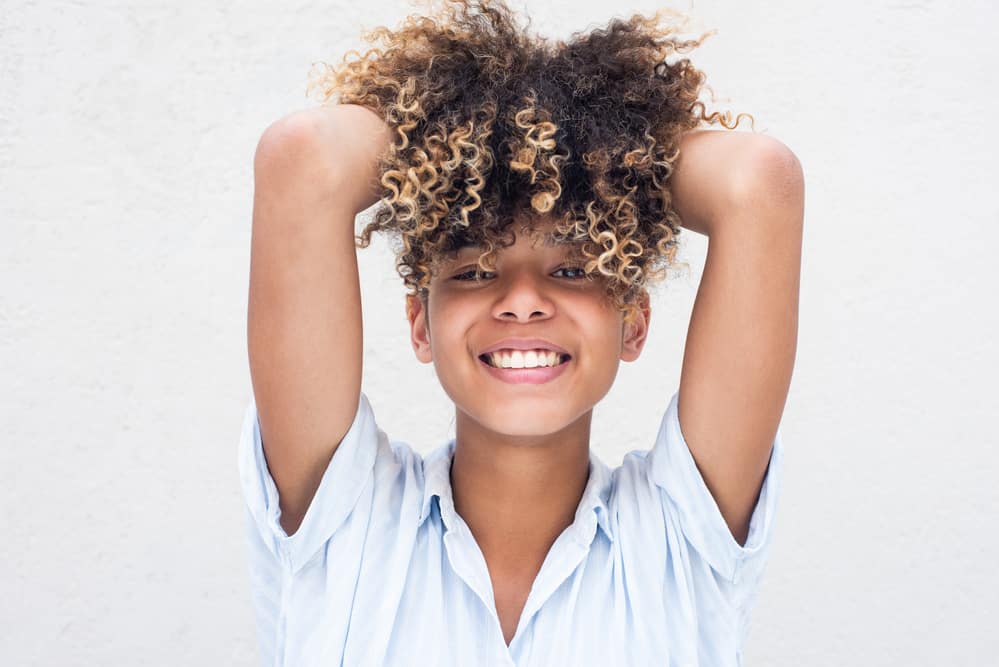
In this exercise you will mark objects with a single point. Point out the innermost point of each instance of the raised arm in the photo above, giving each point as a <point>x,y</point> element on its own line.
<point>314,170</point>
<point>746,193</point>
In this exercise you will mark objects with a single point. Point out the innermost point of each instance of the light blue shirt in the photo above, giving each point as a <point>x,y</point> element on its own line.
<point>383,571</point>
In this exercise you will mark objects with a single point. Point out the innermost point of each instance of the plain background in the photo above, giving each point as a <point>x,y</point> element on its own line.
<point>127,134</point>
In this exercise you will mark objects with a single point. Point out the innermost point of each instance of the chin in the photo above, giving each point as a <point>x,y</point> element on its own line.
<point>527,417</point>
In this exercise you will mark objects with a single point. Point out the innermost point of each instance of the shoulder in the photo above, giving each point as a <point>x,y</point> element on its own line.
<point>368,476</point>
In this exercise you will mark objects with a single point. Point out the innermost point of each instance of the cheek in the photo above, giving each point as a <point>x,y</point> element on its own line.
<point>447,332</point>
<point>605,322</point>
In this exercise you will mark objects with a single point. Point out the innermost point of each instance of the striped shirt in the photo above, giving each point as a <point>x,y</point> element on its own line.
<point>383,571</point>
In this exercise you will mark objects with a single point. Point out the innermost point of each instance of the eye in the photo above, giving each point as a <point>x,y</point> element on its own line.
<point>471,272</point>
<point>581,270</point>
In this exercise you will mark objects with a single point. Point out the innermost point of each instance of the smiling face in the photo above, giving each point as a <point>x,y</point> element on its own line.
<point>534,292</point>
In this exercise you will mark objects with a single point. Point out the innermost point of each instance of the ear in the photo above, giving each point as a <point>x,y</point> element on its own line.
<point>636,332</point>
<point>418,331</point>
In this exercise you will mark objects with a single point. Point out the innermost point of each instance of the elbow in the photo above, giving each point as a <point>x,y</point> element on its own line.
<point>771,176</point>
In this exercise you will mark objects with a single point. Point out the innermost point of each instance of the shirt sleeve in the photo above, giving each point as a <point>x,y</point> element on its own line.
<point>350,470</point>
<point>686,496</point>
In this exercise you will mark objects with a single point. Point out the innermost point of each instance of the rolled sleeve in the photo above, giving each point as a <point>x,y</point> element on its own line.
<point>349,470</point>
<point>686,495</point>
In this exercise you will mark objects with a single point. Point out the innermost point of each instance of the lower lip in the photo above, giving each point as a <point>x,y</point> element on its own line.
<point>526,375</point>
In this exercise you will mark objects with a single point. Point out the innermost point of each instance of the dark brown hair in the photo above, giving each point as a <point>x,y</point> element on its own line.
<point>494,125</point>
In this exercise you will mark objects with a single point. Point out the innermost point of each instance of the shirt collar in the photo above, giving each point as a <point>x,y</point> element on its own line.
<point>437,482</point>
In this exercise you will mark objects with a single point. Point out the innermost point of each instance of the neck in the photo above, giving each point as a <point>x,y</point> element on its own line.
<point>518,493</point>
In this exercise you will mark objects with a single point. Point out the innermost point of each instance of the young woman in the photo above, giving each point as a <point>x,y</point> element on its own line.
<point>534,192</point>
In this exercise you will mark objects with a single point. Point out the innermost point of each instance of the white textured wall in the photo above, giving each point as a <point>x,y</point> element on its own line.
<point>126,141</point>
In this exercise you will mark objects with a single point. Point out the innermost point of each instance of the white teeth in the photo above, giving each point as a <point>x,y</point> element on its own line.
<point>524,359</point>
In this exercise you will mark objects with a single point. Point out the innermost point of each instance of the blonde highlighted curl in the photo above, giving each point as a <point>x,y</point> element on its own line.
<point>493,125</point>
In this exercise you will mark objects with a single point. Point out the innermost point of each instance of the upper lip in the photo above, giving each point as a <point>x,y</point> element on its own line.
<point>523,344</point>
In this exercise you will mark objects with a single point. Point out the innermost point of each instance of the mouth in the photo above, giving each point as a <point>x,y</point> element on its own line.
<point>487,359</point>
<point>537,375</point>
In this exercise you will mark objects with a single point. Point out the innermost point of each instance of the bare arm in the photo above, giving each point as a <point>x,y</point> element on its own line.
<point>314,170</point>
<point>746,193</point>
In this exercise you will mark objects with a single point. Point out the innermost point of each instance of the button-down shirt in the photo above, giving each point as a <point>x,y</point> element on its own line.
<point>384,571</point>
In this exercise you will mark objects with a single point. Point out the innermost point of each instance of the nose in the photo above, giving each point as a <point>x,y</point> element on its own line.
<point>523,299</point>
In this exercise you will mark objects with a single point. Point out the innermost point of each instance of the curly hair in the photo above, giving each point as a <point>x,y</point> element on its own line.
<point>494,125</point>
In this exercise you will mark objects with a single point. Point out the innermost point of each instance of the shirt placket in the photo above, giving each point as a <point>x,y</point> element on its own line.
<point>468,562</point>
<point>565,555</point>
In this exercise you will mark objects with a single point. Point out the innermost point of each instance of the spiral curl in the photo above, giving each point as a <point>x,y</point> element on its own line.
<point>493,125</point>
